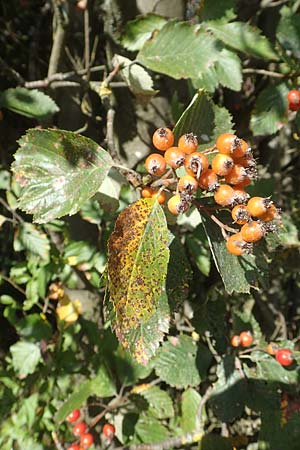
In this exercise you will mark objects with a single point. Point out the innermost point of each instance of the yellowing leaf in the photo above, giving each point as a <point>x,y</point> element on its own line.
<point>137,266</point>
<point>69,310</point>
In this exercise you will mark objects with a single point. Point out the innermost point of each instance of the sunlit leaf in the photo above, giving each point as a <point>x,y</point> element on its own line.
<point>25,357</point>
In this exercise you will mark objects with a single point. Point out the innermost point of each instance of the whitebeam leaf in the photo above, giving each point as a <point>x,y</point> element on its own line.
<point>58,171</point>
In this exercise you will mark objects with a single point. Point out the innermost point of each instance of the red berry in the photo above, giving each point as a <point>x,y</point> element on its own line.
<point>246,339</point>
<point>74,447</point>
<point>163,139</point>
<point>73,416</point>
<point>86,440</point>
<point>284,356</point>
<point>79,429</point>
<point>108,431</point>
<point>294,99</point>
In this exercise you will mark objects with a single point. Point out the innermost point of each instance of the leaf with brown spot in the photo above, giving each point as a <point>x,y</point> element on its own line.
<point>58,171</point>
<point>138,257</point>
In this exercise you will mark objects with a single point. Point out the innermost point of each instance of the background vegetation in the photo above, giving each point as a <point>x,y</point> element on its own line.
<point>110,72</point>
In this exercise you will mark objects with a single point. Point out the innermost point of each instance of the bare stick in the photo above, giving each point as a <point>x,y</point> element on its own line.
<point>60,24</point>
<point>268,73</point>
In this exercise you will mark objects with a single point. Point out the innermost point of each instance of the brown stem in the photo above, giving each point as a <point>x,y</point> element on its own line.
<point>60,24</point>
<point>12,283</point>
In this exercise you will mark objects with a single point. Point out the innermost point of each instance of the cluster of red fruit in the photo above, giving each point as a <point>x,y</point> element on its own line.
<point>294,100</point>
<point>284,356</point>
<point>245,339</point>
<point>79,430</point>
<point>232,168</point>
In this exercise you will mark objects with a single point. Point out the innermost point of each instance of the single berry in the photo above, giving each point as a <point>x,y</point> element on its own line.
<point>159,196</point>
<point>226,143</point>
<point>188,143</point>
<point>240,149</point>
<point>73,416</point>
<point>174,157</point>
<point>240,196</point>
<point>79,429</point>
<point>188,184</point>
<point>235,341</point>
<point>236,245</point>
<point>252,231</point>
<point>294,100</point>
<point>247,160</point>
<point>258,206</point>
<point>147,192</point>
<point>222,164</point>
<point>196,164</point>
<point>108,431</point>
<point>177,205</point>
<point>238,175</point>
<point>86,440</point>
<point>272,348</point>
<point>163,138</point>
<point>81,5</point>
<point>284,356</point>
<point>224,195</point>
<point>246,338</point>
<point>208,181</point>
<point>270,215</point>
<point>240,214</point>
<point>155,164</point>
<point>74,447</point>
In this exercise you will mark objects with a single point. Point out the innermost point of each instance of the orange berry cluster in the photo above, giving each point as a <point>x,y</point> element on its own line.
<point>245,339</point>
<point>293,98</point>
<point>230,171</point>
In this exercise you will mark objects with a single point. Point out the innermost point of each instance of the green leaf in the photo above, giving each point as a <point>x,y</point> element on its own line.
<point>288,33</point>
<point>244,38</point>
<point>101,385</point>
<point>270,111</point>
<point>190,420</point>
<point>205,119</point>
<point>136,77</point>
<point>138,256</point>
<point>221,11</point>
<point>160,403</point>
<point>34,240</point>
<point>181,362</point>
<point>180,50</point>
<point>129,371</point>
<point>58,171</point>
<point>229,392</point>
<point>27,413</point>
<point>199,250</point>
<point>139,30</point>
<point>269,369</point>
<point>33,328</point>
<point>29,103</point>
<point>150,430</point>
<point>238,273</point>
<point>78,252</point>
<point>25,357</point>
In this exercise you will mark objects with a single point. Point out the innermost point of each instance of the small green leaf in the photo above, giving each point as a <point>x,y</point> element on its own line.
<point>190,420</point>
<point>160,403</point>
<point>244,38</point>
<point>139,30</point>
<point>33,328</point>
<point>25,357</point>
<point>29,103</point>
<point>181,362</point>
<point>58,171</point>
<point>269,369</point>
<point>221,11</point>
<point>101,385</point>
<point>288,31</point>
<point>34,240</point>
<point>199,249</point>
<point>150,430</point>
<point>270,111</point>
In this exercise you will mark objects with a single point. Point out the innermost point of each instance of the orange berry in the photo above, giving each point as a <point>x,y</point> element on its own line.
<point>188,184</point>
<point>161,196</point>
<point>246,338</point>
<point>208,180</point>
<point>155,164</point>
<point>271,214</point>
<point>147,192</point>
<point>177,205</point>
<point>235,341</point>
<point>163,138</point>
<point>240,214</point>
<point>240,195</point>
<point>224,195</point>
<point>258,206</point>
<point>222,164</point>
<point>188,143</point>
<point>246,161</point>
<point>236,245</point>
<point>237,175</point>
<point>272,348</point>
<point>196,164</point>
<point>240,149</point>
<point>174,157</point>
<point>226,143</point>
<point>252,231</point>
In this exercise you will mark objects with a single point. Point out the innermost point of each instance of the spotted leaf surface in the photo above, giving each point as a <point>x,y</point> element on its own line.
<point>58,171</point>
<point>138,256</point>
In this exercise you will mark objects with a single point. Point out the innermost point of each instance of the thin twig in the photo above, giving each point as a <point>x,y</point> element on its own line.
<point>87,42</point>
<point>268,73</point>
<point>212,348</point>
<point>12,283</point>
<point>46,82</point>
<point>56,441</point>
<point>6,68</point>
<point>12,211</point>
<point>60,25</point>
